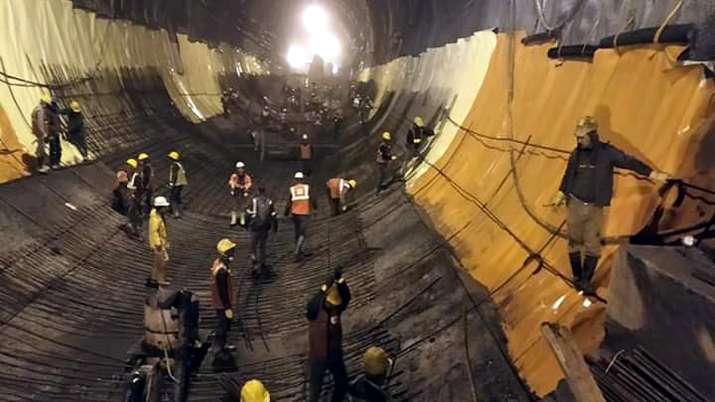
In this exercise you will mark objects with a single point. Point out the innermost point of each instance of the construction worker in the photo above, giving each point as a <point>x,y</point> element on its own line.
<point>325,336</point>
<point>75,128</point>
<point>415,137</point>
<point>254,391</point>
<point>222,293</point>
<point>587,188</point>
<point>177,181</point>
<point>146,173</point>
<point>263,219</point>
<point>240,184</point>
<point>338,190</point>
<point>369,386</point>
<point>158,241</point>
<point>305,154</point>
<point>365,108</point>
<point>41,131</point>
<point>135,192</point>
<point>384,162</point>
<point>53,134</point>
<point>299,207</point>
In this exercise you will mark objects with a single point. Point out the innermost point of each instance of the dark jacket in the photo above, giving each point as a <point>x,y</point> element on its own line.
<point>605,158</point>
<point>75,121</point>
<point>416,135</point>
<point>325,341</point>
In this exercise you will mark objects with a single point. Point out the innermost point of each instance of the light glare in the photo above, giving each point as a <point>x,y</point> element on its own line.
<point>315,19</point>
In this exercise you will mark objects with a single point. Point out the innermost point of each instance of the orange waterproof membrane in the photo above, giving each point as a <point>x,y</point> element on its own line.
<point>489,203</point>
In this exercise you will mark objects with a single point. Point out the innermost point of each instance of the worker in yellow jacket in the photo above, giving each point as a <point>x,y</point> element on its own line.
<point>158,241</point>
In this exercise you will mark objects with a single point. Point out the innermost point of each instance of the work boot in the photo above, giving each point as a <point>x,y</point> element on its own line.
<point>177,211</point>
<point>243,219</point>
<point>234,219</point>
<point>589,269</point>
<point>43,169</point>
<point>576,268</point>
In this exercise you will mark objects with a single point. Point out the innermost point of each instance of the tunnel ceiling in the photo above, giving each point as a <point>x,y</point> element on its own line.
<point>376,31</point>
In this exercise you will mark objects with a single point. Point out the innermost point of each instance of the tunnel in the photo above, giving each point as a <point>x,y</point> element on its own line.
<point>457,260</point>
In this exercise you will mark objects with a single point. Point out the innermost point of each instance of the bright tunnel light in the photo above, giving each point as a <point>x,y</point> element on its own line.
<point>315,19</point>
<point>297,57</point>
<point>326,46</point>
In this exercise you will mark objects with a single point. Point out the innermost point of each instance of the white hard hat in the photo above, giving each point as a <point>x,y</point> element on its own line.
<point>240,165</point>
<point>161,202</point>
<point>304,136</point>
<point>298,175</point>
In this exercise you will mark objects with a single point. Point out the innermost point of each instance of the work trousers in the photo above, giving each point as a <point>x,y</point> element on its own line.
<point>336,366</point>
<point>258,248</point>
<point>306,166</point>
<point>135,216</point>
<point>334,206</point>
<point>223,325</point>
<point>584,222</point>
<point>40,153</point>
<point>175,195</point>
<point>148,199</point>
<point>384,176</point>
<point>160,266</point>
<point>79,140</point>
<point>300,225</point>
<point>55,150</point>
<point>240,201</point>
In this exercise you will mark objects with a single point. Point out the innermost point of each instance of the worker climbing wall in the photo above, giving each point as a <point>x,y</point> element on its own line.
<point>73,53</point>
<point>486,192</point>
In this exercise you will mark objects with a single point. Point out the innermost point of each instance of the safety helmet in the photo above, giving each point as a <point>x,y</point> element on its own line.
<point>419,122</point>
<point>74,105</point>
<point>46,98</point>
<point>132,162</point>
<point>352,183</point>
<point>254,391</point>
<point>174,155</point>
<point>224,246</point>
<point>386,136</point>
<point>304,137</point>
<point>587,122</point>
<point>161,201</point>
<point>299,175</point>
<point>332,296</point>
<point>240,165</point>
<point>375,361</point>
<point>143,156</point>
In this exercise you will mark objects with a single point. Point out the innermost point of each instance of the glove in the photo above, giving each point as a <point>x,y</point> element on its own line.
<point>558,200</point>
<point>659,176</point>
<point>229,314</point>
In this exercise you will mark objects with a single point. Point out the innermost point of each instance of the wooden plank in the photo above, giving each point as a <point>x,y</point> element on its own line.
<point>578,375</point>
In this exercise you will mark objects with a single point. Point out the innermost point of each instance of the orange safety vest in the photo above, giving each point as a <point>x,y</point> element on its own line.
<point>300,199</point>
<point>336,187</point>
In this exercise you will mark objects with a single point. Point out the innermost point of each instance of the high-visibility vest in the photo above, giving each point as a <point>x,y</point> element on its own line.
<point>336,187</point>
<point>300,199</point>
<point>180,175</point>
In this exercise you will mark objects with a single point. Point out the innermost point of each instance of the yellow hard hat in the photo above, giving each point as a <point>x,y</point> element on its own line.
<point>174,155</point>
<point>332,296</point>
<point>132,162</point>
<point>419,122</point>
<point>352,183</point>
<point>225,245</point>
<point>74,105</point>
<point>143,156</point>
<point>46,98</point>
<point>254,391</point>
<point>386,136</point>
<point>587,122</point>
<point>375,361</point>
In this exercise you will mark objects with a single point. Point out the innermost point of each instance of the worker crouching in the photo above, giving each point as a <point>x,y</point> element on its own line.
<point>370,385</point>
<point>325,336</point>
<point>222,300</point>
<point>338,190</point>
<point>299,206</point>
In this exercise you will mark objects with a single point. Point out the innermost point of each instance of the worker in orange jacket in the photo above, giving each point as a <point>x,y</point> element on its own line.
<point>338,190</point>
<point>299,207</point>
<point>240,185</point>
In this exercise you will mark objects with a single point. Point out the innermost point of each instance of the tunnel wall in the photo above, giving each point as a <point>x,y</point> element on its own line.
<point>77,54</point>
<point>487,197</point>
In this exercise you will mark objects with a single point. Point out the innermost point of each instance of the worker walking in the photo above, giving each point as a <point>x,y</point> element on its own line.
<point>158,241</point>
<point>587,188</point>
<point>263,218</point>
<point>120,193</point>
<point>416,136</point>
<point>305,155</point>
<point>338,190</point>
<point>222,293</point>
<point>75,128</point>
<point>240,184</point>
<point>369,386</point>
<point>40,129</point>
<point>135,189</point>
<point>325,336</point>
<point>384,162</point>
<point>254,391</point>
<point>299,207</point>
<point>177,181</point>
<point>146,174</point>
